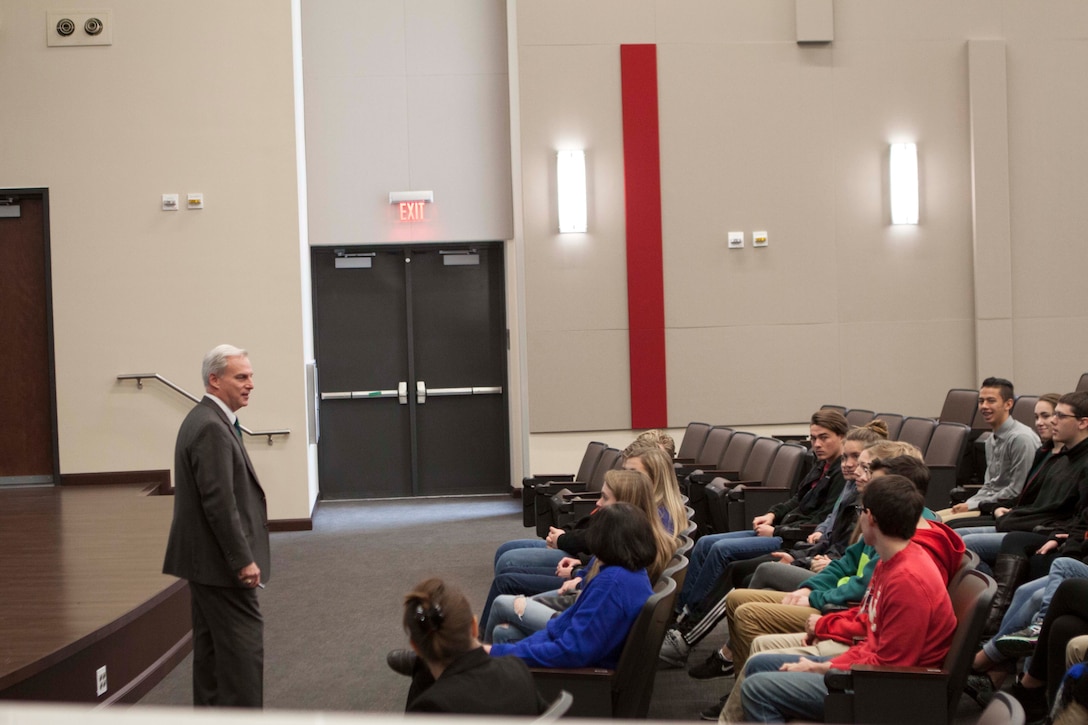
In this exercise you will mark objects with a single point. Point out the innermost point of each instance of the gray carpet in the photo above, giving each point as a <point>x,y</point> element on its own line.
<point>332,608</point>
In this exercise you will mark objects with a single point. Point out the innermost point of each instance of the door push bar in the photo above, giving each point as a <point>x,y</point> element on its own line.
<point>401,393</point>
<point>422,392</point>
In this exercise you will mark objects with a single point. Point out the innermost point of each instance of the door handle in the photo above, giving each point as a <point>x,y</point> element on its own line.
<point>422,391</point>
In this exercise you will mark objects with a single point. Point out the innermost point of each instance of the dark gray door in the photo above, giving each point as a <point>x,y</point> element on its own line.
<point>411,357</point>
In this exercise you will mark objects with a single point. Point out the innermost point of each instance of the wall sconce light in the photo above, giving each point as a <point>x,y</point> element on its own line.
<point>571,181</point>
<point>903,164</point>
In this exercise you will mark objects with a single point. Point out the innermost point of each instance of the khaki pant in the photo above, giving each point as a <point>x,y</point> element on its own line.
<point>754,612</point>
<point>733,712</point>
<point>947,515</point>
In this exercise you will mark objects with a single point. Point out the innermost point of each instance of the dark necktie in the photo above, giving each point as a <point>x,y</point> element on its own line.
<point>238,428</point>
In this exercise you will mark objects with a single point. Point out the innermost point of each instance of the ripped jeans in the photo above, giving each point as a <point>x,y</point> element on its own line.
<point>504,623</point>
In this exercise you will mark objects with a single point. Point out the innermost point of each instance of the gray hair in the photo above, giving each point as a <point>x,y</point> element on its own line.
<point>215,362</point>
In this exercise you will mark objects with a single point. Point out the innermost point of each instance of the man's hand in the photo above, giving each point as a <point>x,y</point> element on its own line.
<point>810,629</point>
<point>814,537</point>
<point>553,537</point>
<point>806,665</point>
<point>566,567</point>
<point>1001,511</point>
<point>250,575</point>
<point>765,530</point>
<point>960,508</point>
<point>798,598</point>
<point>764,520</point>
<point>782,557</point>
<point>819,563</point>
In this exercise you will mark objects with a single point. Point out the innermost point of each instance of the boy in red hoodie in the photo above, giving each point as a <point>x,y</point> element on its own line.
<point>907,596</point>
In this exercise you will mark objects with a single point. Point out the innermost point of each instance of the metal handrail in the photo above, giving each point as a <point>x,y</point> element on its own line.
<point>139,378</point>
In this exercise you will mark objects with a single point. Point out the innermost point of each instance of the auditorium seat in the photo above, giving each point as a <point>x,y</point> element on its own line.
<point>894,421</point>
<point>859,416</point>
<point>754,472</point>
<point>692,442</point>
<point>917,431</point>
<point>585,470</point>
<point>746,502</point>
<point>943,457</point>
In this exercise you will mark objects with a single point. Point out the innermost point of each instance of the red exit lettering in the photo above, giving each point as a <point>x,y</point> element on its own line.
<point>411,211</point>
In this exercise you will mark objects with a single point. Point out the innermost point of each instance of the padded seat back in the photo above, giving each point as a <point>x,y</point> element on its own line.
<point>760,459</point>
<point>1082,384</point>
<point>714,448</point>
<point>692,443</point>
<point>1023,410</point>
<point>960,406</point>
<point>894,421</point>
<point>736,455</point>
<point>971,596</point>
<point>633,683</point>
<point>917,431</point>
<point>589,460</point>
<point>859,416</point>
<point>947,444</point>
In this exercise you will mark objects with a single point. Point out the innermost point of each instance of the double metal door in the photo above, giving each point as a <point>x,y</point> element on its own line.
<point>411,357</point>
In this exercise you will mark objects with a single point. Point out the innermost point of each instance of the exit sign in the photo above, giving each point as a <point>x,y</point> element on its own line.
<point>411,211</point>
<point>411,205</point>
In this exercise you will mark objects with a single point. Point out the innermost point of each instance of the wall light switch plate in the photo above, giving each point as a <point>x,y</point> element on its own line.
<point>759,239</point>
<point>195,201</point>
<point>169,202</point>
<point>736,240</point>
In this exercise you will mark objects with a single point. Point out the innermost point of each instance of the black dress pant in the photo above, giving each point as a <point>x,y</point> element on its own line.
<point>228,647</point>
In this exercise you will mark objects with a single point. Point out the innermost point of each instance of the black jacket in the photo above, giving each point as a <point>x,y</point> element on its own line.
<point>478,684</point>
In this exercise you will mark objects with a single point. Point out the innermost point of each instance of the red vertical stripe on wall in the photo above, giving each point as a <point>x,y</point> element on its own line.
<point>645,282</point>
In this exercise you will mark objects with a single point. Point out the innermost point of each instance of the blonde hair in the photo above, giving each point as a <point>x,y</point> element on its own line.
<point>635,488</point>
<point>653,438</point>
<point>666,489</point>
<point>891,449</point>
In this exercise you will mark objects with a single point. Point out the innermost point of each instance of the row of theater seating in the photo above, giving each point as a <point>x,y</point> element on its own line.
<point>727,498</point>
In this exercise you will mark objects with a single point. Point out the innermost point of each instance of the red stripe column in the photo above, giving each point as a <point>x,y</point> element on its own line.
<point>645,281</point>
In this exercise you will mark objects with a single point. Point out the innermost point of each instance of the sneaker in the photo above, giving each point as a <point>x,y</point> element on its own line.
<point>714,666</point>
<point>1019,644</point>
<point>674,650</point>
<point>402,661</point>
<point>712,712</point>
<point>980,688</point>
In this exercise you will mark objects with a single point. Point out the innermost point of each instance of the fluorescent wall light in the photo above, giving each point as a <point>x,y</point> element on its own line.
<point>903,164</point>
<point>571,181</point>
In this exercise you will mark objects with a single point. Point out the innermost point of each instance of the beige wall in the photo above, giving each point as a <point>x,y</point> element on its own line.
<point>199,100</point>
<point>758,132</point>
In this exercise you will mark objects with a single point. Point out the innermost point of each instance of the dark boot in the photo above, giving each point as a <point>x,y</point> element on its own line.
<point>1010,571</point>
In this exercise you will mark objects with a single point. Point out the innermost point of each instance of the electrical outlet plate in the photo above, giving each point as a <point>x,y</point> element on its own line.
<point>194,201</point>
<point>169,202</point>
<point>736,240</point>
<point>82,24</point>
<point>100,684</point>
<point>759,239</point>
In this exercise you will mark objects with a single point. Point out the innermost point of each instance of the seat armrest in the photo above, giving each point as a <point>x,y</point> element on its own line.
<point>553,487</point>
<point>538,478</point>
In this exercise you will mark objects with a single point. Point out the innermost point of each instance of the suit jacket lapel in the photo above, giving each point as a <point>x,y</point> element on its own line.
<point>234,436</point>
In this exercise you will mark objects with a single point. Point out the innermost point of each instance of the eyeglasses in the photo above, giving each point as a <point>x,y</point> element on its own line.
<point>860,508</point>
<point>1062,416</point>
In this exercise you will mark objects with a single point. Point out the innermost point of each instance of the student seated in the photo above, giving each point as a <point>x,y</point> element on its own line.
<point>812,501</point>
<point>1009,451</point>
<point>514,617</point>
<point>906,597</point>
<point>593,631</point>
<point>530,566</point>
<point>453,673</point>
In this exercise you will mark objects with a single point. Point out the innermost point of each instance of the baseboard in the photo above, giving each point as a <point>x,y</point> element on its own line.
<point>159,480</point>
<point>291,525</point>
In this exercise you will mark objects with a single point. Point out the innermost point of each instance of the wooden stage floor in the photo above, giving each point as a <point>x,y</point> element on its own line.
<point>81,588</point>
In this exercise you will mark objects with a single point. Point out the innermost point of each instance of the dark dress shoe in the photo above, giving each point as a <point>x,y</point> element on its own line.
<point>402,661</point>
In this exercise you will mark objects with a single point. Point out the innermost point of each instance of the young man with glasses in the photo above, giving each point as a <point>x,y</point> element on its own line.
<point>907,596</point>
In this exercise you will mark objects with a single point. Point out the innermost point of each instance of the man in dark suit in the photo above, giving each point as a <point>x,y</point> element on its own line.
<point>219,537</point>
